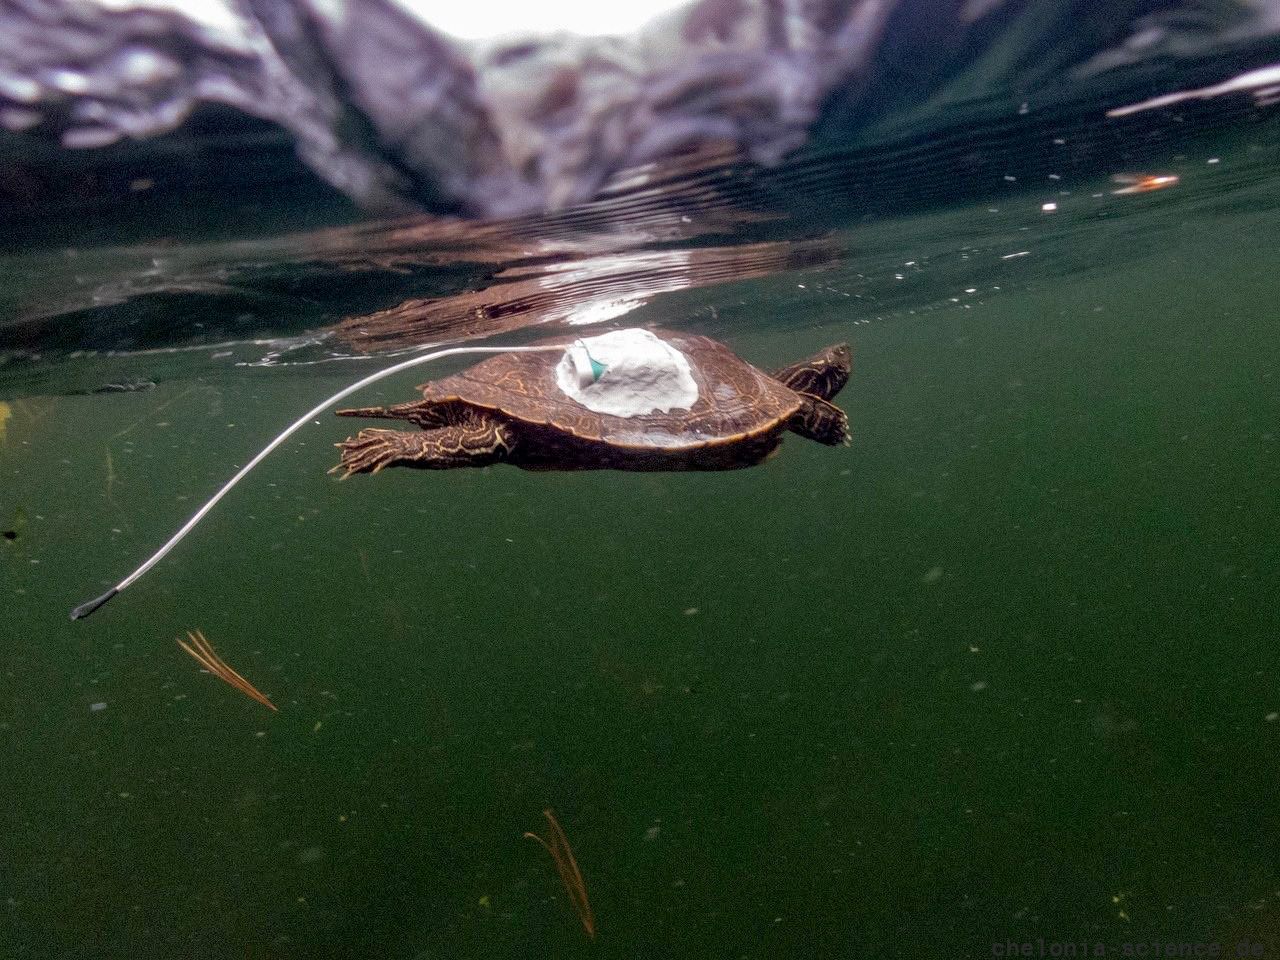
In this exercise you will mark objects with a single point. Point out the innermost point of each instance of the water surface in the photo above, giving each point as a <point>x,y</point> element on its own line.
<point>1004,669</point>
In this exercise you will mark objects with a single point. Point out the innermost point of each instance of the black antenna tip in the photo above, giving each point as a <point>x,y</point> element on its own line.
<point>82,611</point>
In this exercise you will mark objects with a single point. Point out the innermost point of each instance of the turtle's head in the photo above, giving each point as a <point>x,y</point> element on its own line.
<point>832,367</point>
<point>835,364</point>
<point>839,357</point>
<point>822,375</point>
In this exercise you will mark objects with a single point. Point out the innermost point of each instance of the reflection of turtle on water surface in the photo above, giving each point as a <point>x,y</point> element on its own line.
<point>630,400</point>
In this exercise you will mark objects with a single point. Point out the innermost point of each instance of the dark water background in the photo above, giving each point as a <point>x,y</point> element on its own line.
<point>1004,669</point>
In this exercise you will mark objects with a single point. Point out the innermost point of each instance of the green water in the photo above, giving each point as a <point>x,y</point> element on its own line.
<point>1004,669</point>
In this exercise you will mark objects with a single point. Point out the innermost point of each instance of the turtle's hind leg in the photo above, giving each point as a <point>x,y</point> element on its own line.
<point>471,445</point>
<point>822,421</point>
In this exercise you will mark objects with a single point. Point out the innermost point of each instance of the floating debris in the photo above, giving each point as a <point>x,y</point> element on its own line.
<point>16,526</point>
<point>1142,182</point>
<point>122,386</point>
<point>567,867</point>
<point>203,654</point>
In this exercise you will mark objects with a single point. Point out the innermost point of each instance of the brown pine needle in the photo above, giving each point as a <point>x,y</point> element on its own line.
<point>203,654</point>
<point>567,866</point>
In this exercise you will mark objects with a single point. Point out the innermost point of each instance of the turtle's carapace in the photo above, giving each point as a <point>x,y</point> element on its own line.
<point>511,409</point>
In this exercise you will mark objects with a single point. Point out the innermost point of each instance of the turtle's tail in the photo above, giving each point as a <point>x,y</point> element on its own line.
<point>363,412</point>
<point>401,411</point>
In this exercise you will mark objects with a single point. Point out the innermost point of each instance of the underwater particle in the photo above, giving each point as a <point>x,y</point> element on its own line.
<point>485,902</point>
<point>978,686</point>
<point>311,855</point>
<point>932,575</point>
<point>691,611</point>
<point>1272,717</point>
<point>1118,899</point>
<point>652,833</point>
<point>97,707</point>
<point>1048,207</point>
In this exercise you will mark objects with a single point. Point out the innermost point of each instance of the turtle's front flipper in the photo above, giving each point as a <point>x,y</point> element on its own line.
<point>822,421</point>
<point>474,445</point>
<point>823,375</point>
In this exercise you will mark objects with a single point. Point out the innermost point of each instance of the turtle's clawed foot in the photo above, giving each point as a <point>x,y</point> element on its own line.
<point>369,451</point>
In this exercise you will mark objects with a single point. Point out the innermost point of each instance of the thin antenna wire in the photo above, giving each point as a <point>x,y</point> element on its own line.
<point>82,611</point>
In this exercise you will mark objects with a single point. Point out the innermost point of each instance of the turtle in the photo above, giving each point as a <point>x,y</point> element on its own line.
<point>513,409</point>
